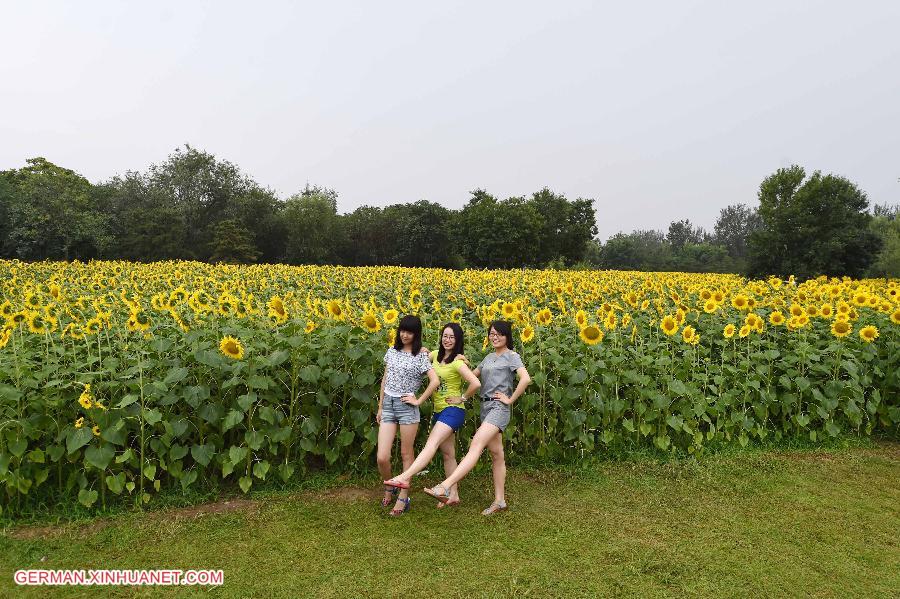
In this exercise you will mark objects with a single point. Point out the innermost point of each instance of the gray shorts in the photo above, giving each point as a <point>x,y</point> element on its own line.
<point>495,412</point>
<point>395,411</point>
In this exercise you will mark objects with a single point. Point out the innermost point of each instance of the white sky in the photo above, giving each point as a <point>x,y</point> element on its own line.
<point>657,110</point>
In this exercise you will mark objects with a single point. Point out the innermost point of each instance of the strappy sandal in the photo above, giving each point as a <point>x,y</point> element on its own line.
<point>442,497</point>
<point>393,491</point>
<point>441,505</point>
<point>494,508</point>
<point>396,512</point>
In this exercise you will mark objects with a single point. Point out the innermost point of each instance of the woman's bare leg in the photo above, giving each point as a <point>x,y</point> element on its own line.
<point>498,467</point>
<point>448,448</point>
<point>387,432</point>
<point>438,435</point>
<point>407,454</point>
<point>482,437</point>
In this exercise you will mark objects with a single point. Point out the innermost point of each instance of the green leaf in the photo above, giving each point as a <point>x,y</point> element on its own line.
<point>202,454</point>
<point>77,438</point>
<point>176,375</point>
<point>188,479</point>
<point>236,454</point>
<point>344,438</point>
<point>285,472</point>
<point>246,400</point>
<point>233,418</point>
<point>245,483</point>
<point>55,452</point>
<point>177,451</point>
<point>18,447</point>
<point>99,457</point>
<point>127,400</point>
<point>87,498</point>
<point>36,456</point>
<point>254,439</point>
<point>260,469</point>
<point>152,416</point>
<point>150,471</point>
<point>124,456</point>
<point>116,483</point>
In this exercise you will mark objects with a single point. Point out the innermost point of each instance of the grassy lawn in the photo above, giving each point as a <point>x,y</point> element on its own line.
<point>823,524</point>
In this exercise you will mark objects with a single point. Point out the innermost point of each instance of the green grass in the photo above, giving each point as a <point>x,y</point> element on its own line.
<point>760,523</point>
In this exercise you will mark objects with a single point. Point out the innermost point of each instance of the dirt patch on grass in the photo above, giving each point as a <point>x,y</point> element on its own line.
<point>32,533</point>
<point>345,494</point>
<point>218,507</point>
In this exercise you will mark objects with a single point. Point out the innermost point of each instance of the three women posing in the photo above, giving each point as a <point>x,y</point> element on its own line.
<point>497,373</point>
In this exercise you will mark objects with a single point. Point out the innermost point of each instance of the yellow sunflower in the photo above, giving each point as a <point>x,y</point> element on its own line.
<point>231,347</point>
<point>728,333</point>
<point>841,328</point>
<point>669,326</point>
<point>527,334</point>
<point>868,334</point>
<point>370,322</point>
<point>776,318</point>
<point>591,335</point>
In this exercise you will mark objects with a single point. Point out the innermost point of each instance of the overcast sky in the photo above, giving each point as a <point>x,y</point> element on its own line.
<point>658,111</point>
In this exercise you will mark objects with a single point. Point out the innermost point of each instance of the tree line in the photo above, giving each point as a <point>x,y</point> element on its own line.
<point>197,207</point>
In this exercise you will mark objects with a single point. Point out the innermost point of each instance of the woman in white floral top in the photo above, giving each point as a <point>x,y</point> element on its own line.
<point>398,406</point>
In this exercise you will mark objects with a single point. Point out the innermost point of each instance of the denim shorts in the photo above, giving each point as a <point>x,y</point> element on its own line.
<point>495,412</point>
<point>397,412</point>
<point>451,416</point>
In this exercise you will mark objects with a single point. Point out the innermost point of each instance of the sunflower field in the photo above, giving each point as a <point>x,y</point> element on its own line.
<point>124,379</point>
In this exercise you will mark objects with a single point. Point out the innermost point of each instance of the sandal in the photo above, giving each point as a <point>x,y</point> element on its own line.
<point>441,505</point>
<point>494,508</point>
<point>393,491</point>
<point>442,497</point>
<point>400,512</point>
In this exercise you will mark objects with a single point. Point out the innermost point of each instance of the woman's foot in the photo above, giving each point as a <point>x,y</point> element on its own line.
<point>497,506</point>
<point>439,492</point>
<point>450,503</point>
<point>401,507</point>
<point>396,483</point>
<point>390,494</point>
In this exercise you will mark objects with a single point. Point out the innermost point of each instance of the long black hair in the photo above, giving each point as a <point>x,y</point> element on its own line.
<point>503,327</point>
<point>457,346</point>
<point>410,324</point>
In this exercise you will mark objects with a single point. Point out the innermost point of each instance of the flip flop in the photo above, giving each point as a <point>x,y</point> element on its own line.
<point>441,505</point>
<point>399,484</point>
<point>442,497</point>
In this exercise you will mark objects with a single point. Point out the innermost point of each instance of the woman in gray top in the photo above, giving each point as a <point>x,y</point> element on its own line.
<point>497,372</point>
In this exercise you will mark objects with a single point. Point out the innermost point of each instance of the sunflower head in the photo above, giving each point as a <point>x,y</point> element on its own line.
<point>728,333</point>
<point>370,322</point>
<point>527,334</point>
<point>591,335</point>
<point>669,325</point>
<point>868,333</point>
<point>841,328</point>
<point>776,318</point>
<point>231,347</point>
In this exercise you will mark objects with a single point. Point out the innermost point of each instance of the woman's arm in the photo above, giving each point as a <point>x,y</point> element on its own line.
<point>433,383</point>
<point>524,381</point>
<point>381,397</point>
<point>471,390</point>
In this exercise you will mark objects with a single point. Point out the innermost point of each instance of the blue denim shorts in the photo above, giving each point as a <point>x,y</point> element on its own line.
<point>397,412</point>
<point>451,416</point>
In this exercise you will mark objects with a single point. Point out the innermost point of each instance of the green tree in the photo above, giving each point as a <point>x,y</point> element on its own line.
<point>812,226</point>
<point>733,229</point>
<point>886,225</point>
<point>314,230</point>
<point>420,234</point>
<point>682,232</point>
<point>566,226</point>
<point>492,234</point>
<point>639,250</point>
<point>233,243</point>
<point>368,238</point>
<point>53,213</point>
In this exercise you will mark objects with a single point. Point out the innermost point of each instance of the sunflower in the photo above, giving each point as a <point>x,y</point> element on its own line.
<point>688,333</point>
<point>96,430</point>
<point>392,337</point>
<point>231,347</point>
<point>527,334</point>
<point>669,326</point>
<point>728,333</point>
<point>37,324</point>
<point>581,318</point>
<point>745,330</point>
<point>591,335</point>
<point>797,310</point>
<point>740,302</point>
<point>826,311</point>
<point>545,316</point>
<point>6,310</point>
<point>841,328</point>
<point>79,423</point>
<point>277,311</point>
<point>776,318</point>
<point>751,319</point>
<point>370,322</point>
<point>710,306</point>
<point>335,310</point>
<point>92,326</point>
<point>610,322</point>
<point>868,334</point>
<point>455,315</point>
<point>389,316</point>
<point>508,310</point>
<point>85,398</point>
<point>895,316</point>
